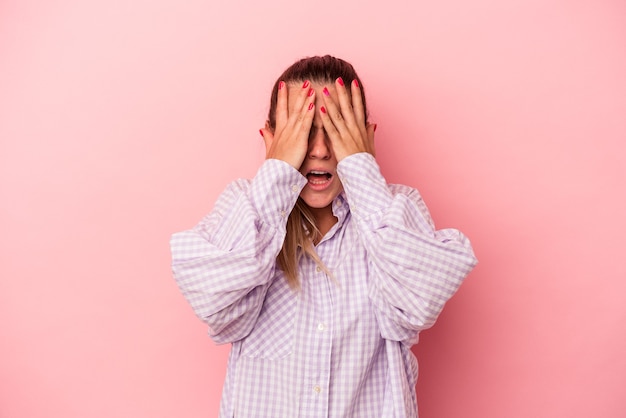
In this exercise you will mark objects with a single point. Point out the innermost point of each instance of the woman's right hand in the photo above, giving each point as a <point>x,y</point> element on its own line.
<point>290,140</point>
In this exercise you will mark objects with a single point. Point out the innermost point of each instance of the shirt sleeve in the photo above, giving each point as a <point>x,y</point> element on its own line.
<point>224,265</point>
<point>416,269</point>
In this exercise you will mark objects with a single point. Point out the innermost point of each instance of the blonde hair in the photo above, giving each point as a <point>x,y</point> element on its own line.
<point>302,231</point>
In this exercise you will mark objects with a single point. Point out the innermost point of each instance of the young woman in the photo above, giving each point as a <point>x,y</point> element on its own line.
<point>319,273</point>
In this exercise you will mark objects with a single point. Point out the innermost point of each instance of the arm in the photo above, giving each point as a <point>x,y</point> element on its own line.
<point>416,269</point>
<point>224,265</point>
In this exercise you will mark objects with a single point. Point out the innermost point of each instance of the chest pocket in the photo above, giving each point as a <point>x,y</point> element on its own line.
<point>273,335</point>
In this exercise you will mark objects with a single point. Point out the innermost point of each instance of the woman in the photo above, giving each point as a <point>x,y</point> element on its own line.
<point>319,273</point>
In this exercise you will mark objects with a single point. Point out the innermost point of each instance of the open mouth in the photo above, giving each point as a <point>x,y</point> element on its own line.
<point>318,177</point>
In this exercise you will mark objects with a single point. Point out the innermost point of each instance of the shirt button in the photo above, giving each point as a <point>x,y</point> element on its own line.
<point>283,213</point>
<point>317,389</point>
<point>339,203</point>
<point>318,269</point>
<point>294,188</point>
<point>321,327</point>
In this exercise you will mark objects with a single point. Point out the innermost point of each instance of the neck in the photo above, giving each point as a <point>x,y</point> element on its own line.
<point>324,219</point>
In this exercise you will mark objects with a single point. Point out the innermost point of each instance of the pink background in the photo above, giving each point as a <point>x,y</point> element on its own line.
<point>121,121</point>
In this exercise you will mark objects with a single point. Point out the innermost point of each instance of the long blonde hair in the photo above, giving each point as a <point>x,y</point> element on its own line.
<point>302,230</point>
<point>301,234</point>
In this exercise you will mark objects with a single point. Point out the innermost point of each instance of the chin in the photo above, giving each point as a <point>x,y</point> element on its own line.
<point>319,200</point>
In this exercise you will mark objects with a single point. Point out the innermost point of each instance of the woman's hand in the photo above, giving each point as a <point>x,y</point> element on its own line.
<point>290,140</point>
<point>345,124</point>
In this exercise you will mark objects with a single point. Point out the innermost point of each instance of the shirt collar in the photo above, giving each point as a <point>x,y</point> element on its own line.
<point>341,207</point>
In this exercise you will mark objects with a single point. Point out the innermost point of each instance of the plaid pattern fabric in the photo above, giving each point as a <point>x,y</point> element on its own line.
<point>340,346</point>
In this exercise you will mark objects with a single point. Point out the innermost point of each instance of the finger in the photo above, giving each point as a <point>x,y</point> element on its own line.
<point>305,119</point>
<point>330,128</point>
<point>282,105</point>
<point>344,103</point>
<point>371,128</point>
<point>300,102</point>
<point>334,114</point>
<point>357,105</point>
<point>302,114</point>
<point>268,137</point>
<point>355,129</point>
<point>357,101</point>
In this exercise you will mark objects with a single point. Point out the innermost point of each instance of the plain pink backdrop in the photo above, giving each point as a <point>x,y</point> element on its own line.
<point>121,121</point>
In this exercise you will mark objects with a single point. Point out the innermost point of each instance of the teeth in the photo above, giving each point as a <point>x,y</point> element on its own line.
<point>320,173</point>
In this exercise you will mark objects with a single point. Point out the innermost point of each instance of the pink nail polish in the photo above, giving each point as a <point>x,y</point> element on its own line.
<point>326,92</point>
<point>323,109</point>
<point>311,92</point>
<point>306,84</point>
<point>281,84</point>
<point>311,105</point>
<point>356,82</point>
<point>340,81</point>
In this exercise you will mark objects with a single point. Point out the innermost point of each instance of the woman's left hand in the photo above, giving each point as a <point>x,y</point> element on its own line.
<point>345,123</point>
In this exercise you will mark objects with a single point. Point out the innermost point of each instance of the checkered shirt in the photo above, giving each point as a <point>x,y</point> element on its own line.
<point>341,345</point>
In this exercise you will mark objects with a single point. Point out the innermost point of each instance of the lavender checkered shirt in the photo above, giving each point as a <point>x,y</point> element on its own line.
<point>339,347</point>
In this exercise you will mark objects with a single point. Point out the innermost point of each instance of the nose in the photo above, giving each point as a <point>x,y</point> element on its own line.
<point>319,146</point>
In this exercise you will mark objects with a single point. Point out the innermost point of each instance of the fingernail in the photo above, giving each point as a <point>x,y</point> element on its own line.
<point>306,84</point>
<point>326,92</point>
<point>311,92</point>
<point>323,109</point>
<point>311,105</point>
<point>261,132</point>
<point>356,82</point>
<point>340,81</point>
<point>281,84</point>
